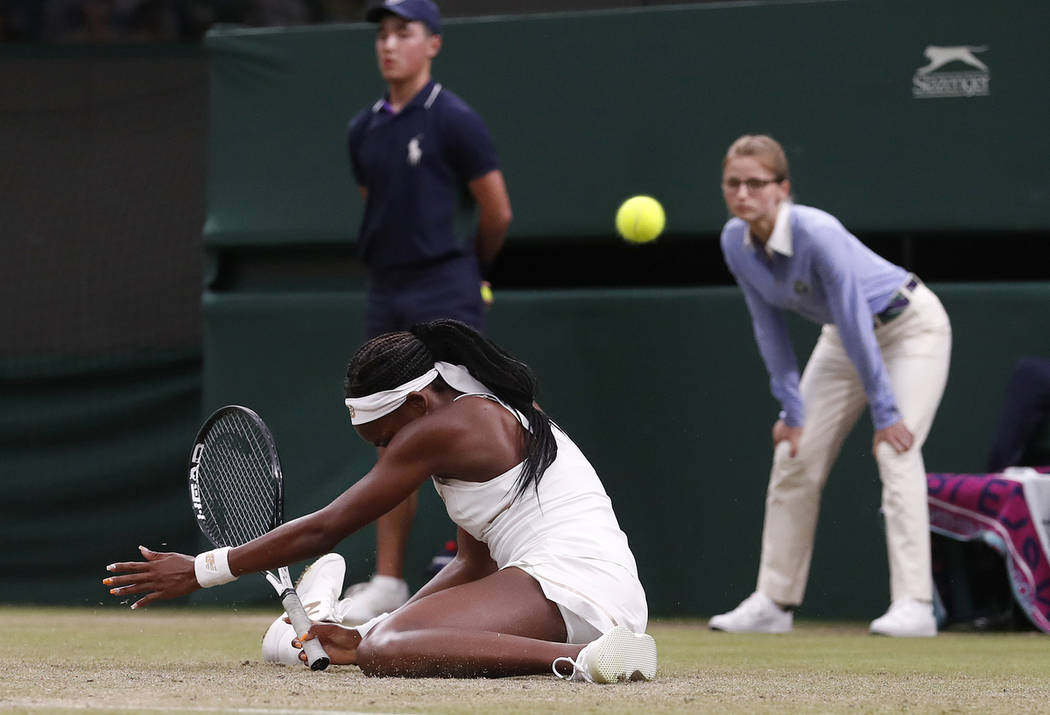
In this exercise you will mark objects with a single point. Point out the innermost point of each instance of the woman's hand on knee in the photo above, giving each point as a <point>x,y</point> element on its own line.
<point>339,642</point>
<point>783,432</point>
<point>896,435</point>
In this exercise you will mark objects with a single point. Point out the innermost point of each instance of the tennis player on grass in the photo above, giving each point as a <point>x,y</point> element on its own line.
<point>544,577</point>
<point>886,341</point>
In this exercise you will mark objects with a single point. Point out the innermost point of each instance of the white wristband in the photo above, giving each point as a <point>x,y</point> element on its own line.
<point>213,567</point>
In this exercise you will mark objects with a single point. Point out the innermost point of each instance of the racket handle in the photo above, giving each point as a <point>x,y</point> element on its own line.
<point>316,658</point>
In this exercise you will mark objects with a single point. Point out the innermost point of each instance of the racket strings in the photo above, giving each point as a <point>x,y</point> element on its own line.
<point>239,480</point>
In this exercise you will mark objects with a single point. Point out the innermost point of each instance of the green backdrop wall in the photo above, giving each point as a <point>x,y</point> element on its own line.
<point>662,388</point>
<point>589,108</point>
<point>666,394</point>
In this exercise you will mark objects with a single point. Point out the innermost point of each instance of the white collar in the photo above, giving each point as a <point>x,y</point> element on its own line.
<point>780,239</point>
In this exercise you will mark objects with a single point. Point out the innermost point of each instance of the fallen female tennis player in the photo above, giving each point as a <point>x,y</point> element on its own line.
<point>543,578</point>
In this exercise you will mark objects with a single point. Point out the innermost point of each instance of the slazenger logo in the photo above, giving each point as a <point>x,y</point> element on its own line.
<point>930,82</point>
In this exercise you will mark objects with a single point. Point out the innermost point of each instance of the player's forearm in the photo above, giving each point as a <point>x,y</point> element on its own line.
<point>304,538</point>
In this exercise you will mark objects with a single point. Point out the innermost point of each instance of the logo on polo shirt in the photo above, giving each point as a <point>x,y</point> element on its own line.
<point>801,288</point>
<point>415,153</point>
<point>930,82</point>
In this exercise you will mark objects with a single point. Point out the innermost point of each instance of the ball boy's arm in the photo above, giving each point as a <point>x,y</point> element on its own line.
<point>490,192</point>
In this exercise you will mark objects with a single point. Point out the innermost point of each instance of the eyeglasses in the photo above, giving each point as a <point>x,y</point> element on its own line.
<point>731,186</point>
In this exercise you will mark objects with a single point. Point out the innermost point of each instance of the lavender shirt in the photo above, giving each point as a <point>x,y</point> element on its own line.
<point>813,266</point>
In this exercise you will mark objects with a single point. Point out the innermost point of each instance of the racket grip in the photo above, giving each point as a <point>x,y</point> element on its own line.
<point>316,658</point>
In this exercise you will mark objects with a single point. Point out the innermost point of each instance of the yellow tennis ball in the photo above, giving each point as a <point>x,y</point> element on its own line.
<point>640,219</point>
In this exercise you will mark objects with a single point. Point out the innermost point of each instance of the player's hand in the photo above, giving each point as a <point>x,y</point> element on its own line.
<point>896,435</point>
<point>783,432</point>
<point>339,642</point>
<point>161,576</point>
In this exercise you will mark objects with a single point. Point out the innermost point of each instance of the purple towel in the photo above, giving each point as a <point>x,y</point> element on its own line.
<point>1014,506</point>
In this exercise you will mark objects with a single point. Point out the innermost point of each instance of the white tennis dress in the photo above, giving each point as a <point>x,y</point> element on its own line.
<point>566,537</point>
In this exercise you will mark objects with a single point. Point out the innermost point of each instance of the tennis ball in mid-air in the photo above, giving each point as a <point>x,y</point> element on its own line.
<point>640,219</point>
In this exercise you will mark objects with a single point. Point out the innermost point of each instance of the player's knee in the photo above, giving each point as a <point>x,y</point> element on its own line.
<point>378,655</point>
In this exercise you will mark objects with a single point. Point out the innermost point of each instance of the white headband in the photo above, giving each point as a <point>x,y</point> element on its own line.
<point>379,404</point>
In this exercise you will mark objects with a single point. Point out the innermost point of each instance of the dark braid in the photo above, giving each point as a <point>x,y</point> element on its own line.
<point>395,358</point>
<point>385,362</point>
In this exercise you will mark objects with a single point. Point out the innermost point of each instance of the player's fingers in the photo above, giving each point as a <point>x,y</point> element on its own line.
<point>145,600</point>
<point>126,566</point>
<point>129,589</point>
<point>138,575</point>
<point>125,585</point>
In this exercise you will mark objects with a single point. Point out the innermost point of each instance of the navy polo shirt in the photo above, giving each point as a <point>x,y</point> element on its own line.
<point>415,165</point>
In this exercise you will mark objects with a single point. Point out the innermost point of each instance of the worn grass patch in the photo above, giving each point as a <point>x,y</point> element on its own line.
<point>190,660</point>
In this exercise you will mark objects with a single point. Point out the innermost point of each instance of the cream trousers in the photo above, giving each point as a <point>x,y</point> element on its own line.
<point>916,350</point>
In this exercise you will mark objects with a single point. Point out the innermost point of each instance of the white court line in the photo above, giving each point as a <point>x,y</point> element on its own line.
<point>193,709</point>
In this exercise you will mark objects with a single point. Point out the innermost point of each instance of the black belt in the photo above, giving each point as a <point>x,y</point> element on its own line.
<point>900,300</point>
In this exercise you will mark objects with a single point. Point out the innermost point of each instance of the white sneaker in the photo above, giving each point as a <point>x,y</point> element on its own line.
<point>318,589</point>
<point>906,618</point>
<point>755,614</point>
<point>617,655</point>
<point>370,598</point>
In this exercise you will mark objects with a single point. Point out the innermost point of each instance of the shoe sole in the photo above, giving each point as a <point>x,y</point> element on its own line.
<point>307,576</point>
<point>624,655</point>
<point>715,624</point>
<point>770,631</point>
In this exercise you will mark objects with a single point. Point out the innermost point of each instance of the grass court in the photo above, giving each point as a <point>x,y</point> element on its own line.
<point>189,660</point>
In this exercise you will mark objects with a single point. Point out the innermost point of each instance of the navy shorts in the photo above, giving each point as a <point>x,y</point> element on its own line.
<point>400,297</point>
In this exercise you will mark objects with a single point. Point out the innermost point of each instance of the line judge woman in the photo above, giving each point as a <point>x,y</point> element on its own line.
<point>885,342</point>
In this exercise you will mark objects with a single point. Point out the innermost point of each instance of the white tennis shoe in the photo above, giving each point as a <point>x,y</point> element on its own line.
<point>368,599</point>
<point>318,589</point>
<point>617,655</point>
<point>906,618</point>
<point>756,614</point>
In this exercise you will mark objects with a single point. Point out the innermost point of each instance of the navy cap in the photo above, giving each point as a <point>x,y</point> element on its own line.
<point>423,10</point>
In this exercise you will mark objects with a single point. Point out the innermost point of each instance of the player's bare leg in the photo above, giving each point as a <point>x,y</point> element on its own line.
<point>392,530</point>
<point>499,625</point>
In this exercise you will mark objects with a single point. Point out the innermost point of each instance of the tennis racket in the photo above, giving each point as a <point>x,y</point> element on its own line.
<point>237,491</point>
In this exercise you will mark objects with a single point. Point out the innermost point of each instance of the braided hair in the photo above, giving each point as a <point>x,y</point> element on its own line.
<point>393,359</point>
